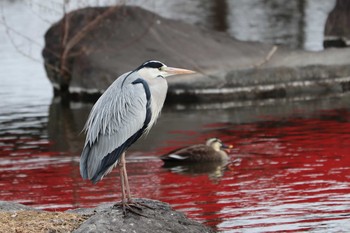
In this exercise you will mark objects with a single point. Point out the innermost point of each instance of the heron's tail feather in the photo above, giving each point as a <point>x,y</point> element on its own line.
<point>107,164</point>
<point>96,162</point>
<point>84,162</point>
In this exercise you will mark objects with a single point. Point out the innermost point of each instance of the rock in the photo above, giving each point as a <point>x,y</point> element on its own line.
<point>6,206</point>
<point>160,217</point>
<point>127,37</point>
<point>227,69</point>
<point>338,21</point>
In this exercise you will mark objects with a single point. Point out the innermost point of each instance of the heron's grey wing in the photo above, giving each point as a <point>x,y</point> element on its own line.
<point>117,120</point>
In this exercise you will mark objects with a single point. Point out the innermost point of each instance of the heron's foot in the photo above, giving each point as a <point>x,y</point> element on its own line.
<point>131,207</point>
<point>141,204</point>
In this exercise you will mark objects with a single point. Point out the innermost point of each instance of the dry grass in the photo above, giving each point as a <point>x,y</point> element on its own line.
<point>39,221</point>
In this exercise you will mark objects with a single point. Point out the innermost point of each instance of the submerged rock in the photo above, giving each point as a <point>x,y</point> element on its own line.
<point>157,217</point>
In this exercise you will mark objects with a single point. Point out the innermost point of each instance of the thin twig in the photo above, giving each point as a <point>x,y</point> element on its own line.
<point>65,25</point>
<point>79,36</point>
<point>65,32</point>
<point>267,58</point>
<point>10,30</point>
<point>30,3</point>
<point>83,32</point>
<point>39,16</point>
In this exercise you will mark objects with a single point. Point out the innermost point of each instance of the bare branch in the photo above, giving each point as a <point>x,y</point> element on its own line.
<point>68,45</point>
<point>65,25</point>
<point>45,7</point>
<point>39,16</point>
<point>267,58</point>
<point>82,33</point>
<point>20,51</point>
<point>9,32</point>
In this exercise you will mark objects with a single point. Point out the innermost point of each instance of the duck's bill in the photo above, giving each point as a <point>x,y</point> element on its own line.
<point>227,148</point>
<point>173,71</point>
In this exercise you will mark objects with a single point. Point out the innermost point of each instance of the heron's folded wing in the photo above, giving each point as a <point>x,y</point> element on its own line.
<point>117,116</point>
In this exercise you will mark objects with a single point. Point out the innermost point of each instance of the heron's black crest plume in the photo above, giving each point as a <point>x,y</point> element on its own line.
<point>148,64</point>
<point>151,64</point>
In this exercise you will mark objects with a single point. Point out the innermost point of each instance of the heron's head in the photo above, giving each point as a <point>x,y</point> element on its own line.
<point>154,69</point>
<point>217,144</point>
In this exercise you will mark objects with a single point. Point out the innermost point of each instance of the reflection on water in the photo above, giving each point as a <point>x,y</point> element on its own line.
<point>214,170</point>
<point>289,170</point>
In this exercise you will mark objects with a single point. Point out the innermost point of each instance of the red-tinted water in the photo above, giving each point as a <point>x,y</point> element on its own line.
<point>286,174</point>
<point>289,174</point>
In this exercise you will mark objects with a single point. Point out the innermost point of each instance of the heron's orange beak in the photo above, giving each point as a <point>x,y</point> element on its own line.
<point>174,71</point>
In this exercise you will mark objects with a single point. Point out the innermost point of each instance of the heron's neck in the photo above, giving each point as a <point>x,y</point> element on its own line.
<point>158,88</point>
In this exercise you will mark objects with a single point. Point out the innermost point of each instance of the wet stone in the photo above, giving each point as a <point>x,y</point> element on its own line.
<point>157,217</point>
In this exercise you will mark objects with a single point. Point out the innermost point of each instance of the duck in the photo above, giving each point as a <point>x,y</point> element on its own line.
<point>213,150</point>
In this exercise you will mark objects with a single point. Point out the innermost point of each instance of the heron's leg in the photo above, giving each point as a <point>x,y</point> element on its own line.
<point>121,172</point>
<point>127,203</point>
<point>126,180</point>
<point>128,193</point>
<point>122,184</point>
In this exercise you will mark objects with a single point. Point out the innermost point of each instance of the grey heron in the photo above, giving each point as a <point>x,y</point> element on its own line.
<point>124,112</point>
<point>212,150</point>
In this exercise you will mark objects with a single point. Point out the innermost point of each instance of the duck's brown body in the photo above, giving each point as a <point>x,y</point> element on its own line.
<point>196,153</point>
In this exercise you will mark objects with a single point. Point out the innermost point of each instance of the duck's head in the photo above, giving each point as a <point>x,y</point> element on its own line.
<point>217,144</point>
